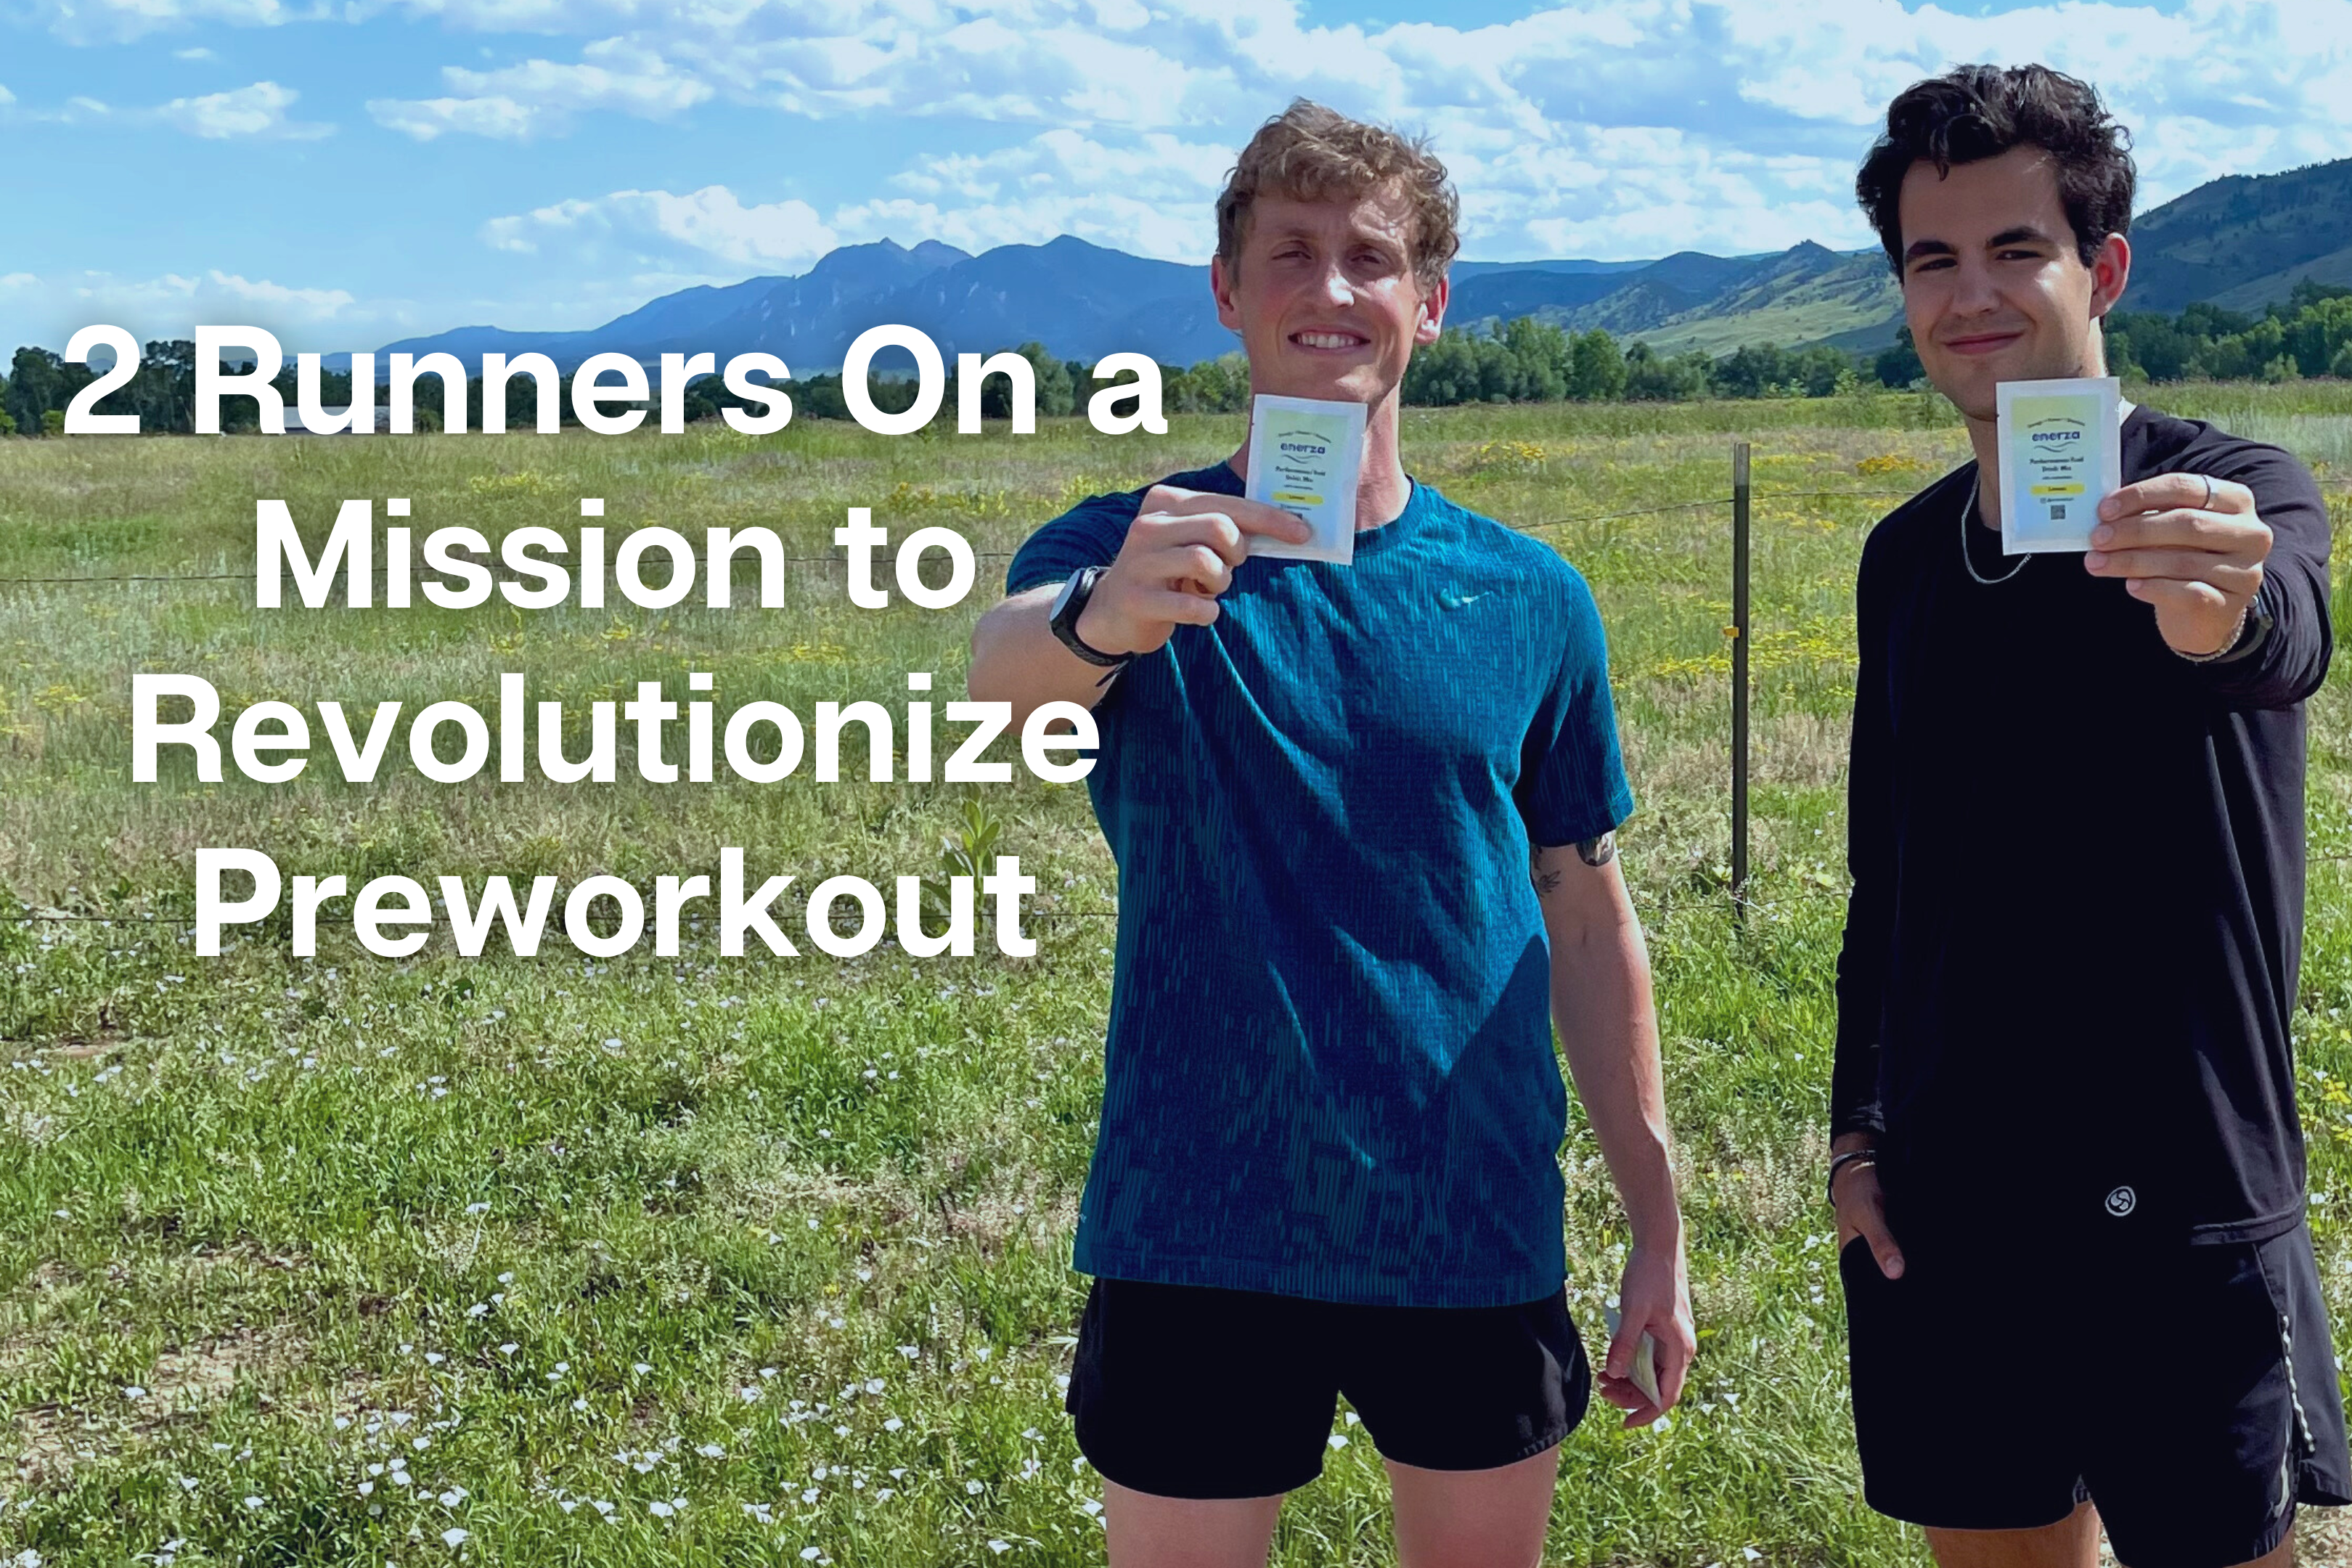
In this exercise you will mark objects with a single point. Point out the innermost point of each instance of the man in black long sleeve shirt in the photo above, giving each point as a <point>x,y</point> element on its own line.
<point>2066,1163</point>
<point>2077,861</point>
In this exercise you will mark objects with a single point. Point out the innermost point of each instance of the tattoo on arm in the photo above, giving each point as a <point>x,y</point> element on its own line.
<point>1593,852</point>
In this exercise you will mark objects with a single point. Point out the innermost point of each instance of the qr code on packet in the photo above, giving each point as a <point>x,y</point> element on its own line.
<point>2058,511</point>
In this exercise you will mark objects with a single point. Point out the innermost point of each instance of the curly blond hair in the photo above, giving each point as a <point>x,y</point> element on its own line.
<point>1308,153</point>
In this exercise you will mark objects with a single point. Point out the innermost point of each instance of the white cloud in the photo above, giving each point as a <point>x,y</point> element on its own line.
<point>255,111</point>
<point>198,53</point>
<point>1151,193</point>
<point>1611,126</point>
<point>1602,127</point>
<point>258,111</point>
<point>119,21</point>
<point>48,310</point>
<point>1154,166</point>
<point>6,97</point>
<point>212,292</point>
<point>424,118</point>
<point>712,222</point>
<point>540,97</point>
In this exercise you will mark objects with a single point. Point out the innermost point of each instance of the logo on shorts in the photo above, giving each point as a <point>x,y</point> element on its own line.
<point>2122,1201</point>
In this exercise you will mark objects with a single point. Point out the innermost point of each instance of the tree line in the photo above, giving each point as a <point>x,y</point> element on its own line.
<point>2309,333</point>
<point>1523,361</point>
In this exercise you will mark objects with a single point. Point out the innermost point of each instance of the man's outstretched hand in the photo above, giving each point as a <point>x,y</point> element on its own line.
<point>2197,562</point>
<point>1180,554</point>
<point>1656,1298</point>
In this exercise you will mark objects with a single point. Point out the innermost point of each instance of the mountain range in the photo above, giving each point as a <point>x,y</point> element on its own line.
<point>2241,241</point>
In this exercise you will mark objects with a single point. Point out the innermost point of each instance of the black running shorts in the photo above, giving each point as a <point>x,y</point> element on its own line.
<point>2189,1392</point>
<point>1187,1392</point>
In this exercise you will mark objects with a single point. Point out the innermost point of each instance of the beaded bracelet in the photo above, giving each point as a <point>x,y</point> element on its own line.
<point>1839,1162</point>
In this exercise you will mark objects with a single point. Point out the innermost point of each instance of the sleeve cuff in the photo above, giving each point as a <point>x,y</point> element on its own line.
<point>1858,1119</point>
<point>1620,807</point>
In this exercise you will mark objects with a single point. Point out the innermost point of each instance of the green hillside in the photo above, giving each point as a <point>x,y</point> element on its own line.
<point>1850,299</point>
<point>2243,242</point>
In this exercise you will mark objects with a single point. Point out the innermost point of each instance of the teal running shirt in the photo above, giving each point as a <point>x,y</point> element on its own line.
<point>1329,1068</point>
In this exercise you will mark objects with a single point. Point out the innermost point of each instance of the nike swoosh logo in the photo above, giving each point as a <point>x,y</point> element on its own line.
<point>1455,601</point>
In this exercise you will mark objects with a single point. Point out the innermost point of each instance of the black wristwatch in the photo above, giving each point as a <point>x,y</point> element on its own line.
<point>1068,605</point>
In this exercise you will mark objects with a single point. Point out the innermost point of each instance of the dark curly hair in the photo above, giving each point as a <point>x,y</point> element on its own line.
<point>1973,112</point>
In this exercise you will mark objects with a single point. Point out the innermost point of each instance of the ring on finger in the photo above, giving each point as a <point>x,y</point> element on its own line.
<point>2208,492</point>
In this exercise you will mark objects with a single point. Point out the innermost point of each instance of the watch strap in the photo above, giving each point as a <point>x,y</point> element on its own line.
<point>1072,605</point>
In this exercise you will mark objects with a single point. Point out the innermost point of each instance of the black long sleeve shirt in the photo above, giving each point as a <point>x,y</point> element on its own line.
<point>2071,950</point>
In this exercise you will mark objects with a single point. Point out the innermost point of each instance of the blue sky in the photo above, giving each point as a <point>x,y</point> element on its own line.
<point>346,172</point>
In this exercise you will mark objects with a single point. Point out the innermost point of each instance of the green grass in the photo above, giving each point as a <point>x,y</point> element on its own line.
<point>782,1244</point>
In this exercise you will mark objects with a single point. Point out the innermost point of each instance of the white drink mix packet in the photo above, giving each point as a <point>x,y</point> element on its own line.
<point>2061,454</point>
<point>1305,457</point>
<point>1644,1374</point>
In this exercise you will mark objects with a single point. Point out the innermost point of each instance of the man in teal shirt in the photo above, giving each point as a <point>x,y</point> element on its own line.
<point>1362,815</point>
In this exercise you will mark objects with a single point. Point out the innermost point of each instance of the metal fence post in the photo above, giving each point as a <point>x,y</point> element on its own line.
<point>1739,497</point>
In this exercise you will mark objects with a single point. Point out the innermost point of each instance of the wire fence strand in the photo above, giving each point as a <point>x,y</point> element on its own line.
<point>380,568</point>
<point>1759,496</point>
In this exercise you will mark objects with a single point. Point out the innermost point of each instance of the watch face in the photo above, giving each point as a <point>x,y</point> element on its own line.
<point>1062,599</point>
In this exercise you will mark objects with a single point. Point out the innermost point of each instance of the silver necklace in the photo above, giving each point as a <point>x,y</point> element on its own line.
<point>1976,495</point>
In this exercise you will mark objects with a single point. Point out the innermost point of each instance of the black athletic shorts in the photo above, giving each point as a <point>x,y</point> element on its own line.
<point>1187,1392</point>
<point>2189,1392</point>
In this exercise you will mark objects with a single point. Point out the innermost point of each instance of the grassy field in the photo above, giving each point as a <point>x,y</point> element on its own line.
<point>729,1261</point>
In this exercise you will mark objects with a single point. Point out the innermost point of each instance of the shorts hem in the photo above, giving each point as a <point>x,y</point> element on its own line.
<point>1933,1518</point>
<point>2271,1537</point>
<point>2233,1556</point>
<point>1200,1492</point>
<point>1528,1451</point>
